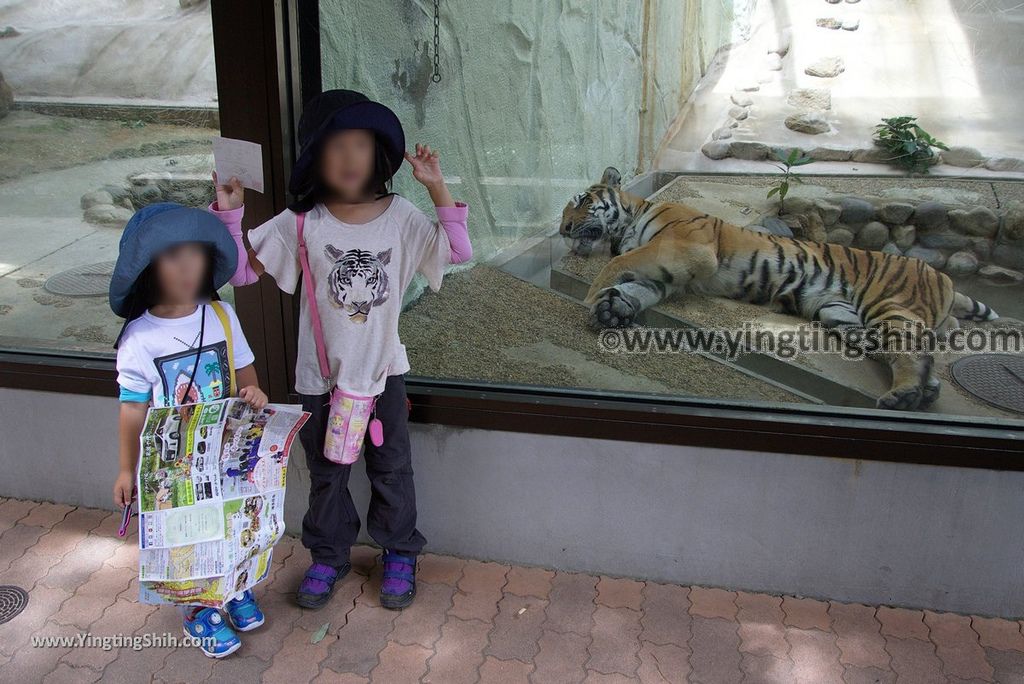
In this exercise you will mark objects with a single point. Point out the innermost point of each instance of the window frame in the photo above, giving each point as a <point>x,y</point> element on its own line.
<point>282,68</point>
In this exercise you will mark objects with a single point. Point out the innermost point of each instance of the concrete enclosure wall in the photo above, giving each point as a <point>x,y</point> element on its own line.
<point>941,538</point>
<point>535,97</point>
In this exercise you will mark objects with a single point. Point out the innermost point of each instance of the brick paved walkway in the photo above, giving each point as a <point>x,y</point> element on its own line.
<point>472,622</point>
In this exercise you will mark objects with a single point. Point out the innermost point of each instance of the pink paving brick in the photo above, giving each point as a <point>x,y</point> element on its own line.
<point>364,559</point>
<point>476,605</point>
<point>594,677</point>
<point>561,658</point>
<point>715,657</point>
<point>65,674</point>
<point>299,659</point>
<point>185,666</point>
<point>615,641</point>
<point>361,640</point>
<point>337,609</point>
<point>420,623</point>
<point>806,613</point>
<point>92,598</point>
<point>761,629</point>
<point>440,569</point>
<point>668,664</point>
<point>1004,635</point>
<point>517,628</point>
<point>331,677</point>
<point>458,654</point>
<point>571,603</point>
<point>46,515</point>
<point>529,581</point>
<point>815,656</point>
<point>480,576</point>
<point>495,671</point>
<point>914,661</point>
<point>619,593</point>
<point>400,663</point>
<point>902,623</point>
<point>17,633</point>
<point>868,675</point>
<point>666,617</point>
<point>858,635</point>
<point>766,668</point>
<point>713,603</point>
<point>13,510</point>
<point>957,646</point>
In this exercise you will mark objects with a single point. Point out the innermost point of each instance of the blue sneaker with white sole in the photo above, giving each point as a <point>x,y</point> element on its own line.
<point>243,612</point>
<point>217,639</point>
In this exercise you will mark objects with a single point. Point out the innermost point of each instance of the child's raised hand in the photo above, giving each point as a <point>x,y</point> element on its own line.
<point>426,166</point>
<point>253,396</point>
<point>229,196</point>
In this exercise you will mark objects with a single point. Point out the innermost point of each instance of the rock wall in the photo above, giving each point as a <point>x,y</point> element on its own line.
<point>961,240</point>
<point>535,97</point>
<point>109,49</point>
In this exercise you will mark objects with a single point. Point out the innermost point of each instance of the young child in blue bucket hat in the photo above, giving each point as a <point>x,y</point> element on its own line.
<point>174,349</point>
<point>357,247</point>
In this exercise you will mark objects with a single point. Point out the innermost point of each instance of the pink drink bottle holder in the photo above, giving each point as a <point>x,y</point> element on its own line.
<point>351,415</point>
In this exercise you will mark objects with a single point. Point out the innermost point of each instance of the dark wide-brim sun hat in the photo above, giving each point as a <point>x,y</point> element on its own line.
<point>158,227</point>
<point>340,110</point>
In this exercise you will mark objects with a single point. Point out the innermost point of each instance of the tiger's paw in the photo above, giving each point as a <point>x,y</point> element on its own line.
<point>931,391</point>
<point>613,309</point>
<point>901,399</point>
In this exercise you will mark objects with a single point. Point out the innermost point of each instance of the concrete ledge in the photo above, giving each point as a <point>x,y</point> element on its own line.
<point>127,110</point>
<point>877,533</point>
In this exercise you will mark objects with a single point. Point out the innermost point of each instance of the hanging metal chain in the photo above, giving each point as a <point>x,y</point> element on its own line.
<point>436,78</point>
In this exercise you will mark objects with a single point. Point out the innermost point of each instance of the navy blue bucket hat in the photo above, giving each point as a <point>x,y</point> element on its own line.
<point>339,110</point>
<point>158,227</point>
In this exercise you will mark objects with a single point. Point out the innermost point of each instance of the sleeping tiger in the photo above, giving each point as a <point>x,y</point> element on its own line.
<point>661,248</point>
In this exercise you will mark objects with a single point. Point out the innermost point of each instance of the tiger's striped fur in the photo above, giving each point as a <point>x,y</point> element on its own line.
<point>661,248</point>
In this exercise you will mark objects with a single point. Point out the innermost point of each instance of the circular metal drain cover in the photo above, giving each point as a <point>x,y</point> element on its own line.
<point>994,378</point>
<point>91,280</point>
<point>12,601</point>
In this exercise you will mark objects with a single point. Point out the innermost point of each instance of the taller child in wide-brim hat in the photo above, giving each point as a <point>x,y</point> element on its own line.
<point>357,247</point>
<point>179,345</point>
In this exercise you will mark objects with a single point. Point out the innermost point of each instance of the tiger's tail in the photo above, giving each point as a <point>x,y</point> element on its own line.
<point>968,309</point>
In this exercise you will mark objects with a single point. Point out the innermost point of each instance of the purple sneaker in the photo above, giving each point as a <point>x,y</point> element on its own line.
<point>399,586</point>
<point>318,584</point>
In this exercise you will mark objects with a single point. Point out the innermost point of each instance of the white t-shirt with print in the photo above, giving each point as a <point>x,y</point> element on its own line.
<point>159,354</point>
<point>360,272</point>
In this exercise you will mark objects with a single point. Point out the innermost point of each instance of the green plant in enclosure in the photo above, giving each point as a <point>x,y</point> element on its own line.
<point>911,146</point>
<point>788,162</point>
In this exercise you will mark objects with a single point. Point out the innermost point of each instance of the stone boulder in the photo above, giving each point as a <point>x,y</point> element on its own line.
<point>1011,164</point>
<point>716,149</point>
<point>830,154</point>
<point>932,257</point>
<point>811,99</point>
<point>872,236</point>
<point>829,212</point>
<point>840,236</point>
<point>930,216</point>
<point>962,156</point>
<point>980,221</point>
<point>807,226</point>
<point>812,123</point>
<point>748,150</point>
<point>856,210</point>
<point>895,213</point>
<point>776,226</point>
<point>108,214</point>
<point>826,67</point>
<point>904,236</point>
<point>961,264</point>
<point>91,199</point>
<point>1013,223</point>
<point>997,275</point>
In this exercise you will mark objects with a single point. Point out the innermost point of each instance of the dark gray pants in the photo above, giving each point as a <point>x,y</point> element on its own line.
<point>331,524</point>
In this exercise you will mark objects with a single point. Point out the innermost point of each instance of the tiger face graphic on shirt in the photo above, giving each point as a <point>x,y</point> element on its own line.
<point>358,280</point>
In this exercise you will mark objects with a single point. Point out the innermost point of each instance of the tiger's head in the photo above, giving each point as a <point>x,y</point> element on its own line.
<point>601,212</point>
<point>358,281</point>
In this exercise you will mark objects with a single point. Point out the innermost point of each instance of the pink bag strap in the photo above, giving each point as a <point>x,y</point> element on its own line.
<point>314,313</point>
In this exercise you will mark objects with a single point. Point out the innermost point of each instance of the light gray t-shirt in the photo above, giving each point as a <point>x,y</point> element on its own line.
<point>360,273</point>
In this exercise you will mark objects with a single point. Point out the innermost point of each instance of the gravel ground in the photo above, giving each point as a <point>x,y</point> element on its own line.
<point>32,143</point>
<point>484,323</point>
